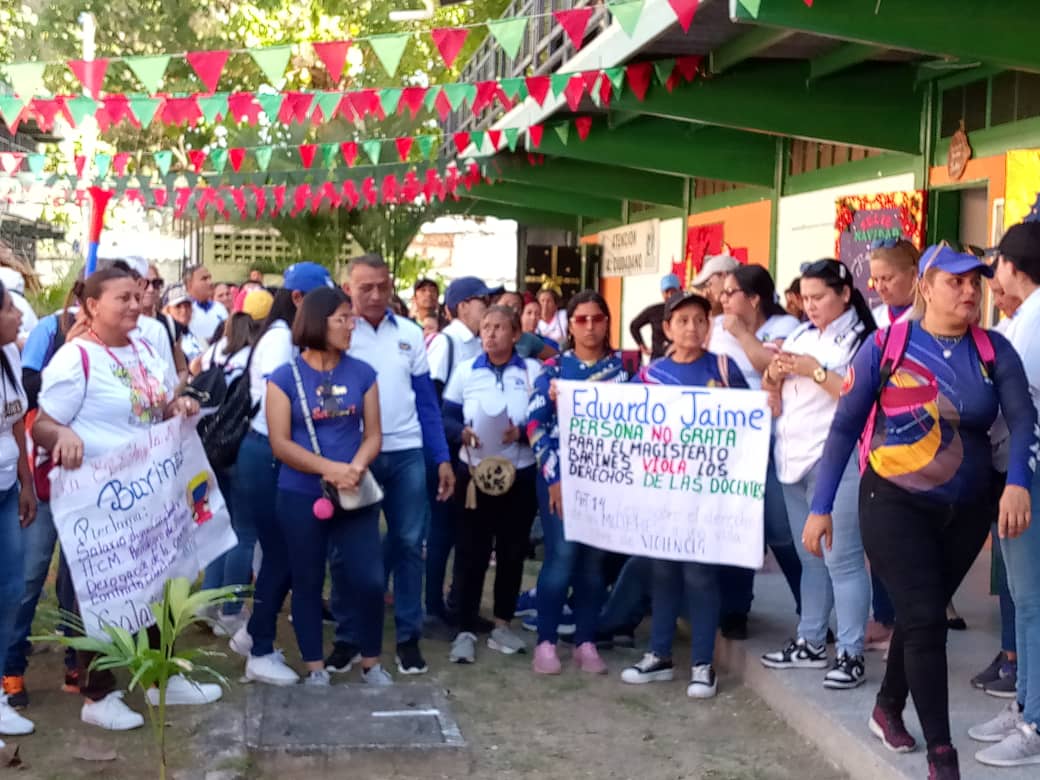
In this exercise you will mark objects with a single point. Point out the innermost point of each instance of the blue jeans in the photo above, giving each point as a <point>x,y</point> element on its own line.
<point>403,477</point>
<point>235,567</point>
<point>1007,604</point>
<point>630,598</point>
<point>255,494</point>
<point>359,573</point>
<point>1022,560</point>
<point>699,583</point>
<point>839,581</point>
<point>738,583</point>
<point>12,564</point>
<point>440,539</point>
<point>563,561</point>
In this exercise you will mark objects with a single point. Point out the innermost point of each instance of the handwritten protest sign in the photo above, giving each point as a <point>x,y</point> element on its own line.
<point>135,517</point>
<point>665,471</point>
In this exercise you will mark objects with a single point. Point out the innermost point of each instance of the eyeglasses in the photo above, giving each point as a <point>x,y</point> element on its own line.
<point>726,294</point>
<point>884,243</point>
<point>587,319</point>
<point>156,284</point>
<point>342,319</point>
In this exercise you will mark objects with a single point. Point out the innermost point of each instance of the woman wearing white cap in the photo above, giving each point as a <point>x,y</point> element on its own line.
<point>710,278</point>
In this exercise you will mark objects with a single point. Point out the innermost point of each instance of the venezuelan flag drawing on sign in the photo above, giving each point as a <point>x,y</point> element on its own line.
<point>1022,188</point>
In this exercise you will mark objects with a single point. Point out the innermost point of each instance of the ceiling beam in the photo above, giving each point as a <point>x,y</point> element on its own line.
<point>544,199</point>
<point>594,179</point>
<point>674,148</point>
<point>745,46</point>
<point>874,107</point>
<point>965,29</point>
<point>525,216</point>
<point>845,56</point>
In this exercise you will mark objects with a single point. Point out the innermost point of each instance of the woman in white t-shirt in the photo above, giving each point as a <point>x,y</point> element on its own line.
<point>100,388</point>
<point>751,331</point>
<point>553,322</point>
<point>17,500</point>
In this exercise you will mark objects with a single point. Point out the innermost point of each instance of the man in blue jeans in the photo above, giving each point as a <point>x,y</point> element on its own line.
<point>412,422</point>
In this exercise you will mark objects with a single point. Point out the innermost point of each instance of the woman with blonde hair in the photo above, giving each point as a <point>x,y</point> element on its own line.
<point>893,276</point>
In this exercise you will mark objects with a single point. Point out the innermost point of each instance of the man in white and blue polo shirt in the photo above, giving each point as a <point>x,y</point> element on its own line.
<point>411,421</point>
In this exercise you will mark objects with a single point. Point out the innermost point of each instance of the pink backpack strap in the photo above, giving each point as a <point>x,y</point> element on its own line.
<point>984,345</point>
<point>84,361</point>
<point>892,341</point>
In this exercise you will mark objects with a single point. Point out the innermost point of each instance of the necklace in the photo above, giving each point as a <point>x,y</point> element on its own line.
<point>143,385</point>
<point>947,343</point>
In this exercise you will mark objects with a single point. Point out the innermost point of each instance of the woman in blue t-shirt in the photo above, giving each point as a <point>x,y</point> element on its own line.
<point>686,326</point>
<point>342,400</point>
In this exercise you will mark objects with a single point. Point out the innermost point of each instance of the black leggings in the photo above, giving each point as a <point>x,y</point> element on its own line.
<point>502,523</point>
<point>922,550</point>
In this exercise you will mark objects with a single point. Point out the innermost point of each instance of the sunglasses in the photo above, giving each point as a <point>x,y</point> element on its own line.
<point>884,243</point>
<point>586,319</point>
<point>155,284</point>
<point>825,266</point>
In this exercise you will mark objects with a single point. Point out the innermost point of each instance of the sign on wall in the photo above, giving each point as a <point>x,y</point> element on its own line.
<point>664,471</point>
<point>631,250</point>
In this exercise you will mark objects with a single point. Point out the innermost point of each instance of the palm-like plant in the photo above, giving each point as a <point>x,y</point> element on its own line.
<point>179,609</point>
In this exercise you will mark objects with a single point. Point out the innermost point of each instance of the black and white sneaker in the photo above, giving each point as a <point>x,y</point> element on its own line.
<point>703,683</point>
<point>409,659</point>
<point>343,657</point>
<point>848,672</point>
<point>797,654</point>
<point>650,668</point>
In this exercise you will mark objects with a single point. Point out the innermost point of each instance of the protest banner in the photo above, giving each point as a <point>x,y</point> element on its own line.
<point>664,471</point>
<point>132,518</point>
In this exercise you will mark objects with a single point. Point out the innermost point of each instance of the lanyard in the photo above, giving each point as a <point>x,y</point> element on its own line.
<point>144,386</point>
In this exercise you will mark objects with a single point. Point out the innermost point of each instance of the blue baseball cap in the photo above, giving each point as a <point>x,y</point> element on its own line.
<point>670,282</point>
<point>466,287</point>
<point>946,258</point>
<point>306,276</point>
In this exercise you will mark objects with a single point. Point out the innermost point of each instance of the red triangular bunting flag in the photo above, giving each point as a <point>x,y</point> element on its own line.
<point>119,163</point>
<point>809,3</point>
<point>589,77</point>
<point>334,55</point>
<point>197,158</point>
<point>389,188</point>
<point>412,98</point>
<point>486,91</point>
<point>181,110</point>
<point>538,88</point>
<point>91,74</point>
<point>639,75</point>
<point>159,196</point>
<point>307,152</point>
<point>295,107</point>
<point>279,198</point>
<point>684,11</point>
<point>574,90</point>
<point>349,150</point>
<point>534,135</point>
<point>404,146</point>
<point>495,137</point>
<point>117,107</point>
<point>443,105</point>
<point>583,124</point>
<point>208,65</point>
<point>461,141</point>
<point>243,107</point>
<point>236,157</point>
<point>574,23</point>
<point>687,67</point>
<point>45,111</point>
<point>350,193</point>
<point>606,90</point>
<point>368,190</point>
<point>12,161</point>
<point>80,161</point>
<point>449,41</point>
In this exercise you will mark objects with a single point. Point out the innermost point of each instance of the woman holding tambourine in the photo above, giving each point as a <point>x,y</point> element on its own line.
<point>496,488</point>
<point>323,423</point>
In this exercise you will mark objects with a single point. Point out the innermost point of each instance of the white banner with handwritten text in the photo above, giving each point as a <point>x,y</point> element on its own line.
<point>132,518</point>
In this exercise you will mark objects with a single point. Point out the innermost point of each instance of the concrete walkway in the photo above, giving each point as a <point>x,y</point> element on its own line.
<point>836,721</point>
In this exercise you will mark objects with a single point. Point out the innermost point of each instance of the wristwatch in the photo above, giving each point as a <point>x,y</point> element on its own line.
<point>819,375</point>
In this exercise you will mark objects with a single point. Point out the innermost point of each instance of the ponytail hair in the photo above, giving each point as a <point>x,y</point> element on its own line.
<point>837,276</point>
<point>755,280</point>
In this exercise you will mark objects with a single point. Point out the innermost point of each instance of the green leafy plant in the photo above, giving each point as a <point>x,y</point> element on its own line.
<point>148,666</point>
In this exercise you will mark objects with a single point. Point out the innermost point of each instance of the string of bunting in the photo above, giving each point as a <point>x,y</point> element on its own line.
<point>27,78</point>
<point>318,107</point>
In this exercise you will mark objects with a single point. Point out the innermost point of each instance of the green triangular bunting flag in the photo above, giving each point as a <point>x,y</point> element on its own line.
<point>144,109</point>
<point>330,155</point>
<point>102,162</point>
<point>80,108</point>
<point>271,104</point>
<point>272,62</point>
<point>388,99</point>
<point>457,93</point>
<point>212,105</point>
<point>263,156</point>
<point>162,161</point>
<point>515,89</point>
<point>389,49</point>
<point>616,76</point>
<point>562,130</point>
<point>431,96</point>
<point>36,162</point>
<point>425,146</point>
<point>26,78</point>
<point>149,70</point>
<point>558,81</point>
<point>372,149</point>
<point>477,139</point>
<point>327,102</point>
<point>752,6</point>
<point>664,69</point>
<point>509,33</point>
<point>218,158</point>
<point>626,13</point>
<point>512,135</point>
<point>10,108</point>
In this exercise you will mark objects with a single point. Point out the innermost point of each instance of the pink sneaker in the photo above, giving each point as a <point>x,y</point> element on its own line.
<point>587,658</point>
<point>545,659</point>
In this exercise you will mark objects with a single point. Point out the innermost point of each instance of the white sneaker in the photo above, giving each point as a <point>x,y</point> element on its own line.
<point>111,713</point>
<point>11,723</point>
<point>270,669</point>
<point>229,625</point>
<point>1019,748</point>
<point>377,675</point>
<point>241,642</point>
<point>998,727</point>
<point>318,679</point>
<point>506,641</point>
<point>703,683</point>
<point>180,690</point>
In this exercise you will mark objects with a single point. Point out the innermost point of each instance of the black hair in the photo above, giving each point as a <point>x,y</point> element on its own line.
<point>504,293</point>
<point>425,282</point>
<point>837,276</point>
<point>283,308</point>
<point>1029,266</point>
<point>310,328</point>
<point>586,296</point>
<point>755,280</point>
<point>5,364</point>
<point>508,312</point>
<point>189,273</point>
<point>687,299</point>
<point>240,330</point>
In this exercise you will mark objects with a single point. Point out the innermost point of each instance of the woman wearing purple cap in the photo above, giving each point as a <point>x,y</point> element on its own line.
<point>927,391</point>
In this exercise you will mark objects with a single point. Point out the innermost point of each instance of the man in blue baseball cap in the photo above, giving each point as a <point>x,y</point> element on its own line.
<point>653,316</point>
<point>306,276</point>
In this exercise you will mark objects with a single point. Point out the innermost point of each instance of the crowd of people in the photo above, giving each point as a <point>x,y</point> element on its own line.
<point>361,408</point>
